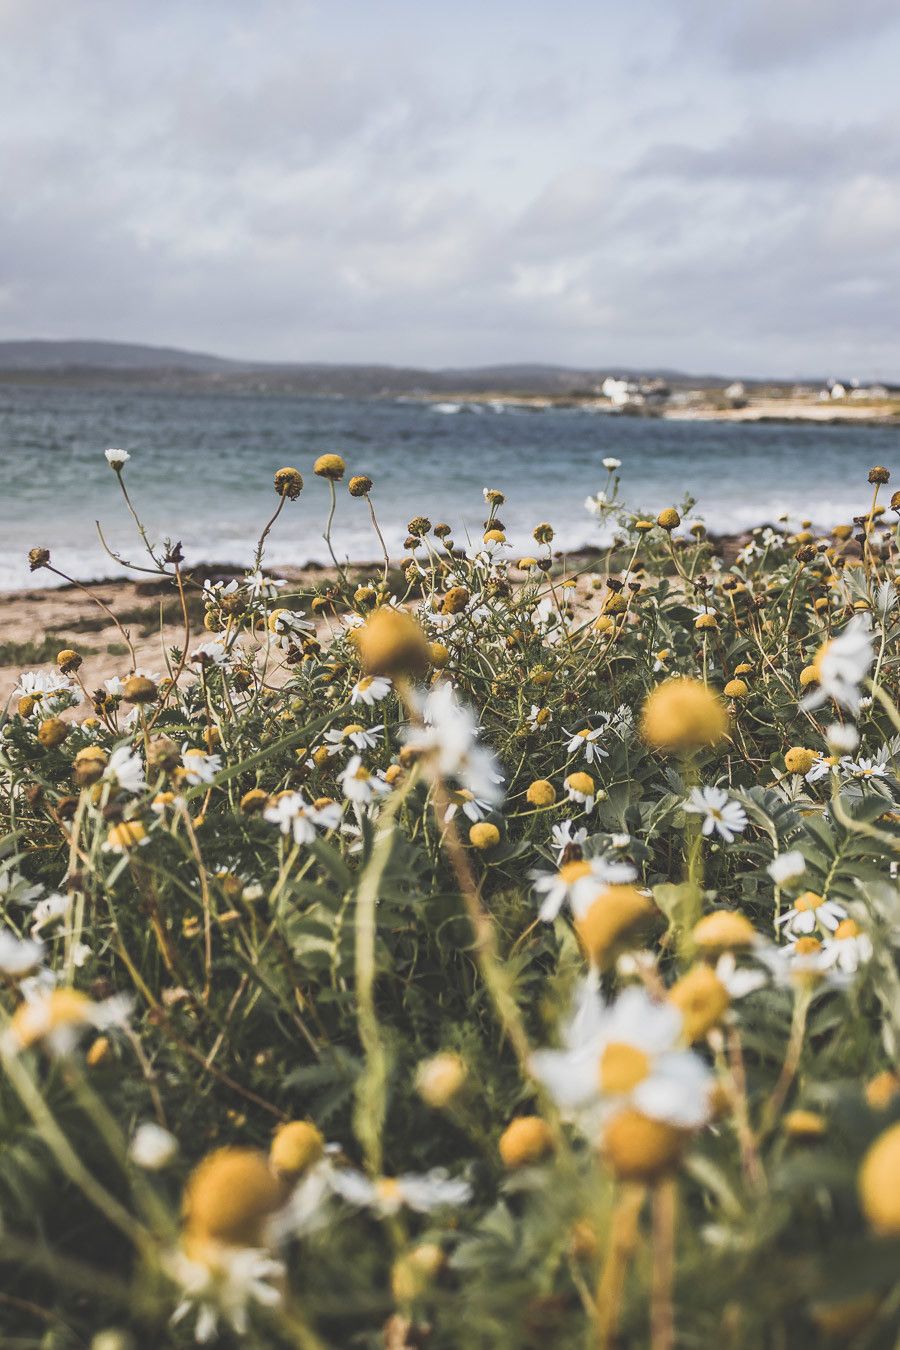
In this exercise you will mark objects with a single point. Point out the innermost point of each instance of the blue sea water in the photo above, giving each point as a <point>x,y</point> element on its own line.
<point>202,465</point>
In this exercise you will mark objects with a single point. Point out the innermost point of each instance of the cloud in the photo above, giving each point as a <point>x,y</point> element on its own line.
<point>763,34</point>
<point>410,185</point>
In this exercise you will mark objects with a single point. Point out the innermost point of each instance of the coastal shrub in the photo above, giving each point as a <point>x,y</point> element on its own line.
<point>486,951</point>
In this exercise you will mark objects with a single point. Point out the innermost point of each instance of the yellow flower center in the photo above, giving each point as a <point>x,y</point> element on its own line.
<point>848,928</point>
<point>622,1067</point>
<point>574,871</point>
<point>807,946</point>
<point>362,774</point>
<point>388,1189</point>
<point>352,728</point>
<point>808,901</point>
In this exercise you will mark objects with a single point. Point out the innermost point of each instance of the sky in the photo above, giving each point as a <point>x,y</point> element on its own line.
<point>658,183</point>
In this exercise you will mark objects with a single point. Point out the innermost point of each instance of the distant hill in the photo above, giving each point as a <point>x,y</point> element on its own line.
<point>88,355</point>
<point>83,362</point>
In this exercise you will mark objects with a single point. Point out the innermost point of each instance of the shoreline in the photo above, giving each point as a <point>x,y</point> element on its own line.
<point>38,623</point>
<point>783,411</point>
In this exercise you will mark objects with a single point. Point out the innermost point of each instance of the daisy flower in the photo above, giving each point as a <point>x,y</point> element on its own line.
<point>539,718</point>
<point>56,1019</point>
<point>721,813</point>
<point>295,816</point>
<point>822,768</point>
<point>199,767</point>
<point>361,785</point>
<point>577,883</point>
<point>355,735</point>
<point>812,911</point>
<point>48,910</point>
<point>786,867</point>
<point>625,1054</point>
<point>473,808</point>
<point>371,689</point>
<point>117,459</point>
<point>18,956</point>
<point>867,768</point>
<point>211,653</point>
<point>611,463</point>
<point>388,1195</point>
<point>580,787</point>
<point>586,741</point>
<point>447,738</point>
<point>125,770</point>
<point>51,692</point>
<point>841,666</point>
<point>848,948</point>
<point>262,587</point>
<point>223,1286</point>
<point>563,835</point>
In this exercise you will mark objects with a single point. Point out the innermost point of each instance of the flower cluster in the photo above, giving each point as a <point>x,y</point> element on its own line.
<point>436,950</point>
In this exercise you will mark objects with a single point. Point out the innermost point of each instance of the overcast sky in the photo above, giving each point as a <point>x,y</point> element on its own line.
<point>691,183</point>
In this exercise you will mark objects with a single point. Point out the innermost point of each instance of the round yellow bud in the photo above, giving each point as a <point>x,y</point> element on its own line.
<point>295,1148</point>
<point>390,642</point>
<point>330,466</point>
<point>618,915</point>
<point>483,835</point>
<point>127,834</point>
<point>736,689</point>
<point>97,1052</point>
<point>879,1183</point>
<point>440,656</point>
<point>682,715</point>
<point>52,732</point>
<point>882,1089</point>
<point>455,601</point>
<point>541,793</point>
<point>799,760</point>
<point>802,1124</point>
<point>527,1139</point>
<point>702,999</point>
<point>360,485</point>
<point>723,930</point>
<point>808,675</point>
<point>229,1196</point>
<point>138,689</point>
<point>254,801</point>
<point>63,1007</point>
<point>88,765</point>
<point>706,622</point>
<point>289,483</point>
<point>668,518</point>
<point>638,1148</point>
<point>412,1273</point>
<point>68,660</point>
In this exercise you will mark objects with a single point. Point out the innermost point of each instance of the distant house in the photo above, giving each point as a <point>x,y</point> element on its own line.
<point>619,392</point>
<point>736,390</point>
<point>870,391</point>
<point>836,389</point>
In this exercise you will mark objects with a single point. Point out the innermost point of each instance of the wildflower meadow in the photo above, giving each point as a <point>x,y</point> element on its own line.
<point>472,950</point>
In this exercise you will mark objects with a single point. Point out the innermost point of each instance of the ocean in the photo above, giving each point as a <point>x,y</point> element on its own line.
<point>202,465</point>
